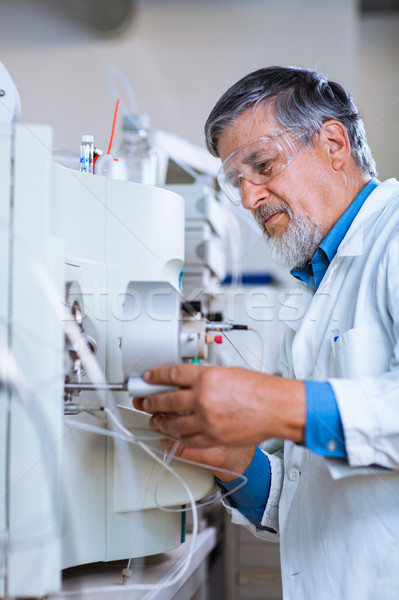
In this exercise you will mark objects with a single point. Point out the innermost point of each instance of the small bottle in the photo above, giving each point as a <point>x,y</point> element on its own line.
<point>86,154</point>
<point>136,152</point>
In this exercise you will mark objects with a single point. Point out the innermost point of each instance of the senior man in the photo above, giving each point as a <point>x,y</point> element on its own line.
<point>294,153</point>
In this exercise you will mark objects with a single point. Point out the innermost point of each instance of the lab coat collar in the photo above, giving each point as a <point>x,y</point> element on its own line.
<point>352,244</point>
<point>299,299</point>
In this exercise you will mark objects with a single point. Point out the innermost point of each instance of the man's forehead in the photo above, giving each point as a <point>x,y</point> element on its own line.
<point>249,126</point>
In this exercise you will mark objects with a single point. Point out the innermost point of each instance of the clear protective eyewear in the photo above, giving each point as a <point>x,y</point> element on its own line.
<point>259,161</point>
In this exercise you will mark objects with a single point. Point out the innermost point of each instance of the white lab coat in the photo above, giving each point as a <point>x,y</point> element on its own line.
<point>339,520</point>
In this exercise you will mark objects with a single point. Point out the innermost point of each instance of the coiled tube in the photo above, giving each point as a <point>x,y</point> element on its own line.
<point>67,158</point>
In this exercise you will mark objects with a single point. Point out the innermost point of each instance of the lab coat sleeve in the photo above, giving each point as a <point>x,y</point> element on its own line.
<point>369,403</point>
<point>274,451</point>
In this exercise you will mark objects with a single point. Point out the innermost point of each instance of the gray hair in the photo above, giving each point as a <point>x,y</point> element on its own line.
<point>300,99</point>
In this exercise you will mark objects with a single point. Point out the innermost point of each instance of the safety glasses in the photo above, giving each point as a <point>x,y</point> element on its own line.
<point>259,161</point>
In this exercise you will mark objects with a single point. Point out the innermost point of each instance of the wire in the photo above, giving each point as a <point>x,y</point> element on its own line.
<point>262,365</point>
<point>224,326</point>
<point>236,349</point>
<point>182,568</point>
<point>133,439</point>
<point>113,127</point>
<point>132,110</point>
<point>126,435</point>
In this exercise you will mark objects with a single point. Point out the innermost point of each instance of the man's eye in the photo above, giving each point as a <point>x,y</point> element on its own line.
<point>236,183</point>
<point>264,168</point>
<point>234,180</point>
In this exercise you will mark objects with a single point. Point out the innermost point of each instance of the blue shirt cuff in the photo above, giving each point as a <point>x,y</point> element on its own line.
<point>252,497</point>
<point>324,433</point>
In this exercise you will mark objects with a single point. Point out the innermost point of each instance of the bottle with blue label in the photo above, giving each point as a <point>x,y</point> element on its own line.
<point>86,154</point>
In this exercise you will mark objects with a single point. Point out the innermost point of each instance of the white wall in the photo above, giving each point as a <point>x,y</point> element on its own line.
<point>379,89</point>
<point>180,55</point>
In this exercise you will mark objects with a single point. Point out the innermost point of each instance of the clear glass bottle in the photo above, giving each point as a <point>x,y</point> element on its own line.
<point>136,152</point>
<point>86,154</point>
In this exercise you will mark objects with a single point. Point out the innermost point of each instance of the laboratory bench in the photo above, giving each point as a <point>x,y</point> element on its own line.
<point>85,582</point>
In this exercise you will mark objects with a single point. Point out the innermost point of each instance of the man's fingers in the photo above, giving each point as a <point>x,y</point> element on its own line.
<point>138,403</point>
<point>168,402</point>
<point>179,375</point>
<point>177,426</point>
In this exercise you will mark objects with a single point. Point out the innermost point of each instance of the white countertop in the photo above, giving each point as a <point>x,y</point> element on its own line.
<point>103,581</point>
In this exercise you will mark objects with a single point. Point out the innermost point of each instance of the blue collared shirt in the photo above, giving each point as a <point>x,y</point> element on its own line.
<point>324,433</point>
<point>314,272</point>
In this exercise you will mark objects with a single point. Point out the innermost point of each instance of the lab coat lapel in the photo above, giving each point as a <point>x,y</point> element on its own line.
<point>315,316</point>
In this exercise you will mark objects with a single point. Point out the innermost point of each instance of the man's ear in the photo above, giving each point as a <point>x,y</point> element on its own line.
<point>334,134</point>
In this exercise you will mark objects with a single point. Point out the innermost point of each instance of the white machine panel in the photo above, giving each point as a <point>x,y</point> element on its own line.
<point>70,496</point>
<point>32,407</point>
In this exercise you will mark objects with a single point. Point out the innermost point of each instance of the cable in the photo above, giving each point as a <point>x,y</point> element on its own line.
<point>128,436</point>
<point>181,569</point>
<point>132,110</point>
<point>224,326</point>
<point>113,127</point>
<point>236,349</point>
<point>133,439</point>
<point>262,365</point>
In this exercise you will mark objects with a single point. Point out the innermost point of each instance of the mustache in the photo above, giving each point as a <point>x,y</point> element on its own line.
<point>266,210</point>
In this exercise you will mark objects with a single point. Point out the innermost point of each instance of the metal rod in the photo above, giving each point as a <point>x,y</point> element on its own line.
<point>89,387</point>
<point>74,409</point>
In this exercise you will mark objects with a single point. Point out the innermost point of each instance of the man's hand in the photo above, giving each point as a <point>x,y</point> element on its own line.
<point>232,461</point>
<point>219,406</point>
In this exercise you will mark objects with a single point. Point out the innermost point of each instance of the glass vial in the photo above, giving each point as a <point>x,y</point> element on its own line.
<point>86,154</point>
<point>136,152</point>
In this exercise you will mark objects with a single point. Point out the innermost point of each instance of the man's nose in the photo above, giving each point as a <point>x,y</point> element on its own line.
<point>253,194</point>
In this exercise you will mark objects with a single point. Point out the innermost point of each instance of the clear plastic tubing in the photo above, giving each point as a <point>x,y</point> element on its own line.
<point>67,158</point>
<point>86,154</point>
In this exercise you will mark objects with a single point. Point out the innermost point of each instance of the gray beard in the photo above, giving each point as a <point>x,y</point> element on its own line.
<point>296,246</point>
